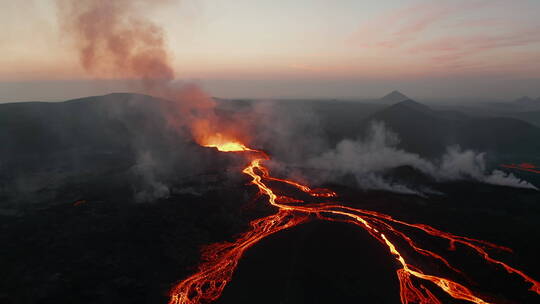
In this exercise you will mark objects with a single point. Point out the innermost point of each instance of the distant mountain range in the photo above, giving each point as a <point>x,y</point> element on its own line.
<point>394,96</point>
<point>118,121</point>
<point>527,104</point>
<point>526,100</point>
<point>96,123</point>
<point>429,132</point>
<point>79,141</point>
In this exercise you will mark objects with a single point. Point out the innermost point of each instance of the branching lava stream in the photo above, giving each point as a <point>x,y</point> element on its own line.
<point>220,260</point>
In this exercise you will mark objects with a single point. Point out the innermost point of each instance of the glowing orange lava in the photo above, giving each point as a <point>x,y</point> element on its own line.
<point>220,260</point>
<point>223,144</point>
<point>230,147</point>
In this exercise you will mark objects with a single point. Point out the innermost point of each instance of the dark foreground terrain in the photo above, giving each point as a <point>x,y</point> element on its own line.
<point>116,251</point>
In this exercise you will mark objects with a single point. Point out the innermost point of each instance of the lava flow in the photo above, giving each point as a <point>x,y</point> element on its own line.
<point>220,260</point>
<point>523,167</point>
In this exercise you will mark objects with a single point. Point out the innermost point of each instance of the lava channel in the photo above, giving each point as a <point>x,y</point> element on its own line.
<point>221,259</point>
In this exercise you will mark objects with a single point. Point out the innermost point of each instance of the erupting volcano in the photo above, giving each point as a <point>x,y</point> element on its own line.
<point>249,152</point>
<point>417,283</point>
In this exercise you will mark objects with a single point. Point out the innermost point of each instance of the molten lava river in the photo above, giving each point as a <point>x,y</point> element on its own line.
<point>417,285</point>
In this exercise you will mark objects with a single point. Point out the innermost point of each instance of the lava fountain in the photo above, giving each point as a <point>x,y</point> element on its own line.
<point>219,261</point>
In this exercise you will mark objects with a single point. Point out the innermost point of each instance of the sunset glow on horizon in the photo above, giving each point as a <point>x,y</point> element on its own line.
<point>473,48</point>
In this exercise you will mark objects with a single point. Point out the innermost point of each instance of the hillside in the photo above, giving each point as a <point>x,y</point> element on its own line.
<point>75,144</point>
<point>394,96</point>
<point>428,132</point>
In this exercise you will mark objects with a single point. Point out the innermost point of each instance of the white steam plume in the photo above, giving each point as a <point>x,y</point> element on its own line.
<point>368,159</point>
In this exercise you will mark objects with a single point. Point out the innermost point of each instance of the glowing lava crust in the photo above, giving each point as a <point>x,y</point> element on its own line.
<point>220,260</point>
<point>523,167</point>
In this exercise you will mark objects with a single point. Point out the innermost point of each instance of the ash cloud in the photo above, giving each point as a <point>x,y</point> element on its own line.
<point>113,38</point>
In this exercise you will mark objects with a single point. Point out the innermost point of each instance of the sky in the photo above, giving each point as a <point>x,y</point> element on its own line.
<point>301,48</point>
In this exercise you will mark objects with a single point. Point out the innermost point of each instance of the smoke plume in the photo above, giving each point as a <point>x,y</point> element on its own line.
<point>367,160</point>
<point>115,39</point>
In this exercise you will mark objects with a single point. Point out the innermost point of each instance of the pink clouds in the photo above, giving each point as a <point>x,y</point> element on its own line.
<point>454,48</point>
<point>398,27</point>
<point>306,68</point>
<point>431,33</point>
